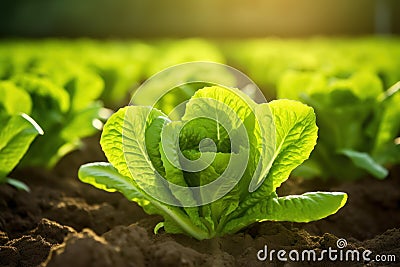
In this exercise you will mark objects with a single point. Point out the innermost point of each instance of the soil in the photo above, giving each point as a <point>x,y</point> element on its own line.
<point>63,222</point>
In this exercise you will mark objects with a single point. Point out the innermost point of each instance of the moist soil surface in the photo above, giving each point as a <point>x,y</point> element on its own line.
<point>63,222</point>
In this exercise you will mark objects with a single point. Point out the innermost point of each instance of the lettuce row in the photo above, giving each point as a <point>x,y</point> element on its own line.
<point>60,96</point>
<point>266,60</point>
<point>138,143</point>
<point>359,123</point>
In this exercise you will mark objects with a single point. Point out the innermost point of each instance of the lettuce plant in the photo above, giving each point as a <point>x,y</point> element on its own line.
<point>65,107</point>
<point>63,101</point>
<point>358,120</point>
<point>149,156</point>
<point>65,84</point>
<point>17,130</point>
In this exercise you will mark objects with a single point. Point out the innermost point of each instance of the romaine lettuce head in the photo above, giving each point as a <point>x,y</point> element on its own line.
<point>215,170</point>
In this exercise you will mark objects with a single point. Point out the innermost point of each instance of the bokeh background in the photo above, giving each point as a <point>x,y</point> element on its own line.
<point>205,18</point>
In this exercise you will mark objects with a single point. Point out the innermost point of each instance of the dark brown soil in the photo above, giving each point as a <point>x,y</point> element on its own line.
<point>63,222</point>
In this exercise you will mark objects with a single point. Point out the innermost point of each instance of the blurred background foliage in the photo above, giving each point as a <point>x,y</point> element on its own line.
<point>189,18</point>
<point>73,58</point>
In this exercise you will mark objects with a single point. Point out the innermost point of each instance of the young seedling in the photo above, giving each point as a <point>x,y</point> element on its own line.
<point>216,170</point>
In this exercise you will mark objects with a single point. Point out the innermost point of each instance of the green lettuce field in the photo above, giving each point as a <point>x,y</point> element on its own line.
<point>327,169</point>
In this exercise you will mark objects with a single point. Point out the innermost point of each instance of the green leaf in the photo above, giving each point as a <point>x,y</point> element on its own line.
<point>169,101</point>
<point>123,140</point>
<point>153,139</point>
<point>389,122</point>
<point>13,99</point>
<point>16,135</point>
<point>104,176</point>
<point>62,138</point>
<point>221,115</point>
<point>236,124</point>
<point>296,135</point>
<point>197,129</point>
<point>63,135</point>
<point>365,85</point>
<point>307,207</point>
<point>49,94</point>
<point>111,141</point>
<point>80,124</point>
<point>225,107</point>
<point>263,148</point>
<point>17,184</point>
<point>294,84</point>
<point>227,99</point>
<point>221,207</point>
<point>365,162</point>
<point>295,208</point>
<point>84,87</point>
<point>158,227</point>
<point>169,146</point>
